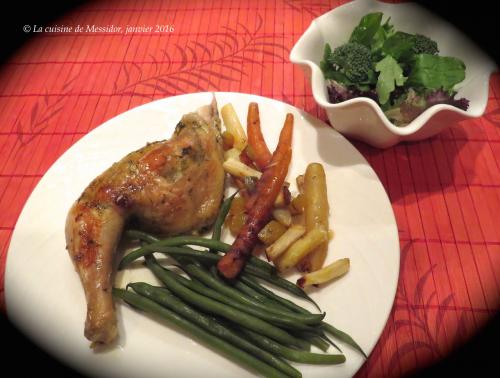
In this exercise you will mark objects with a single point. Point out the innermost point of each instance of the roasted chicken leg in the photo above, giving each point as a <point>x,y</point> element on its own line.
<point>170,187</point>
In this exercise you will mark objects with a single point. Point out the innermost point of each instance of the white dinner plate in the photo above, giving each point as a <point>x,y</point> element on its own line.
<point>45,299</point>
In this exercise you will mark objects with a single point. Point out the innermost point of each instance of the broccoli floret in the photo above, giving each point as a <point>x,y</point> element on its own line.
<point>424,45</point>
<point>354,61</point>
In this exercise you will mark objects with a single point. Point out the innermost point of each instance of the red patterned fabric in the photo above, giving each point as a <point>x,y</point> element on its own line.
<point>445,192</point>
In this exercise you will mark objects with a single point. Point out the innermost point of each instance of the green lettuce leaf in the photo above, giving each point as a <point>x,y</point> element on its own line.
<point>399,46</point>
<point>366,29</point>
<point>435,72</point>
<point>325,66</point>
<point>391,74</point>
<point>379,38</point>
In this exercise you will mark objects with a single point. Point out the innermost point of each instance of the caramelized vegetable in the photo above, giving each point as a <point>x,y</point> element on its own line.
<point>239,169</point>
<point>232,153</point>
<point>283,216</point>
<point>300,183</point>
<point>284,197</point>
<point>240,184</point>
<point>301,248</point>
<point>271,232</point>
<point>246,156</point>
<point>227,140</point>
<point>237,216</point>
<point>261,154</point>
<point>233,126</point>
<point>282,200</point>
<point>268,188</point>
<point>316,213</point>
<point>298,204</point>
<point>259,249</point>
<point>328,273</point>
<point>286,240</point>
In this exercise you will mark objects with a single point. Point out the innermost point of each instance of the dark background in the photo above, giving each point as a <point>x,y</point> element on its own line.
<point>480,23</point>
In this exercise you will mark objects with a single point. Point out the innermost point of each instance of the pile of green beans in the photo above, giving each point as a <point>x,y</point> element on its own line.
<point>175,246</point>
<point>241,319</point>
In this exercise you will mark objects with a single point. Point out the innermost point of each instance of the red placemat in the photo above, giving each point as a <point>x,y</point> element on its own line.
<point>445,192</point>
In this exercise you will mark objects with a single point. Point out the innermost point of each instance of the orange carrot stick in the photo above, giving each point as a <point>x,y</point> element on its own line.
<point>262,155</point>
<point>284,141</point>
<point>268,188</point>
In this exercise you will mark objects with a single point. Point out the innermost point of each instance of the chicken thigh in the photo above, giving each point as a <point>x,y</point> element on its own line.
<point>170,187</point>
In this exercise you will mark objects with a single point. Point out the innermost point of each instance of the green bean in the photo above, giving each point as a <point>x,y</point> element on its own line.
<point>220,345</point>
<point>292,354</point>
<point>137,234</point>
<point>342,336</point>
<point>262,265</point>
<point>187,252</point>
<point>318,342</point>
<point>247,290</point>
<point>213,258</point>
<point>252,282</point>
<point>318,338</point>
<point>165,298</point>
<point>222,287</point>
<point>249,268</point>
<point>278,320</point>
<point>243,284</point>
<point>178,252</point>
<point>221,217</point>
<point>248,278</point>
<point>276,280</point>
<point>201,289</point>
<point>221,309</point>
<point>315,338</point>
<point>170,242</point>
<point>186,240</point>
<point>255,267</point>
<point>328,340</point>
<point>197,286</point>
<point>183,252</point>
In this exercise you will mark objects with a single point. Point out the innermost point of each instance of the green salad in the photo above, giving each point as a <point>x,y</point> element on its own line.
<point>402,72</point>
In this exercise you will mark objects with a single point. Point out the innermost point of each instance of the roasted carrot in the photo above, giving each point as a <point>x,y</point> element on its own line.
<point>261,154</point>
<point>268,188</point>
<point>240,184</point>
<point>251,201</point>
<point>246,159</point>
<point>284,141</point>
<point>271,181</point>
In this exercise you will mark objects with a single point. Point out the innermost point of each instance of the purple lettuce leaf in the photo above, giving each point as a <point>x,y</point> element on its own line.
<point>339,93</point>
<point>442,97</point>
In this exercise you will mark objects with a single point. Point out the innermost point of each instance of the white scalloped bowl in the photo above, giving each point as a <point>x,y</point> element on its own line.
<point>362,118</point>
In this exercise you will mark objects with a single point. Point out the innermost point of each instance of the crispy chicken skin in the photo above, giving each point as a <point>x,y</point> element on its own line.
<point>170,187</point>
